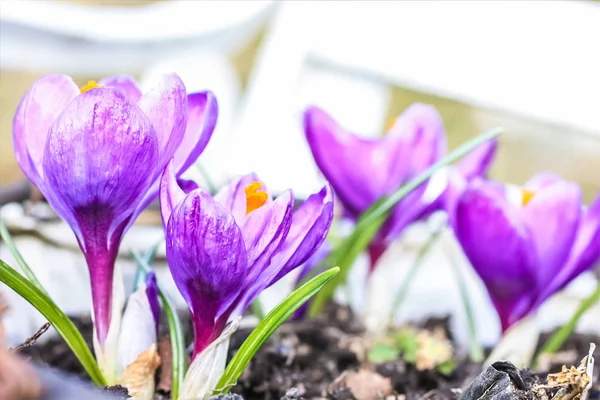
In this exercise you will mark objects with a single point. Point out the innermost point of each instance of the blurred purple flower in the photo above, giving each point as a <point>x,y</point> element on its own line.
<point>525,252</point>
<point>362,171</point>
<point>96,154</point>
<point>224,251</point>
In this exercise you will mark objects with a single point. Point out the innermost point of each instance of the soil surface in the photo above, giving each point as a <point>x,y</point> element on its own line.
<point>326,358</point>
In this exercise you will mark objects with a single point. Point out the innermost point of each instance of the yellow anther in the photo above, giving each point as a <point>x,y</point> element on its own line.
<point>254,198</point>
<point>527,196</point>
<point>90,85</point>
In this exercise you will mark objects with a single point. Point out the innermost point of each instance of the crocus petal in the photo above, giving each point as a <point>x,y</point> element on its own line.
<point>265,230</point>
<point>584,254</point>
<point>542,180</point>
<point>349,162</point>
<point>202,118</point>
<point>187,185</point>
<point>233,196</point>
<point>207,258</point>
<point>552,217</point>
<point>166,106</point>
<point>170,194</point>
<point>125,84</point>
<point>138,328</point>
<point>310,224</point>
<point>96,173</point>
<point>39,108</point>
<point>477,162</point>
<point>499,248</point>
<point>152,294</point>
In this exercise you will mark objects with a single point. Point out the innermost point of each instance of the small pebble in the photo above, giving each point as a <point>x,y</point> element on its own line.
<point>228,396</point>
<point>292,394</point>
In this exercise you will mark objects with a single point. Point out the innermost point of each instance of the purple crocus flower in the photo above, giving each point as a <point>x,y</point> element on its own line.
<point>525,250</point>
<point>96,154</point>
<point>224,251</point>
<point>362,171</point>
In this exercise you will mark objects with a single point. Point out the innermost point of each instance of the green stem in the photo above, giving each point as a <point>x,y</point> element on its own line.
<point>475,349</point>
<point>559,337</point>
<point>175,332</point>
<point>7,238</point>
<point>257,309</point>
<point>412,272</point>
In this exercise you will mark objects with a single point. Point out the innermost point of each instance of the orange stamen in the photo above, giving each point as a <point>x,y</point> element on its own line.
<point>527,196</point>
<point>390,125</point>
<point>90,85</point>
<point>254,198</point>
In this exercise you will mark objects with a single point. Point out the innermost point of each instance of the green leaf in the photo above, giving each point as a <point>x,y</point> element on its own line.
<point>20,260</point>
<point>140,272</point>
<point>268,325</point>
<point>412,273</point>
<point>446,368</point>
<point>560,336</point>
<point>372,219</point>
<point>475,348</point>
<point>383,352</point>
<point>175,332</point>
<point>408,341</point>
<point>63,325</point>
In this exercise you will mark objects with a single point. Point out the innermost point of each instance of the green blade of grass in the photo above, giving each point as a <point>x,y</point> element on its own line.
<point>140,272</point>
<point>372,219</point>
<point>7,238</point>
<point>175,332</point>
<point>412,272</point>
<point>475,350</point>
<point>559,337</point>
<point>268,325</point>
<point>63,325</point>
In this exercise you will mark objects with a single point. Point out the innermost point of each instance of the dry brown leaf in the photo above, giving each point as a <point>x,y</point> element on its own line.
<point>365,384</point>
<point>165,352</point>
<point>138,377</point>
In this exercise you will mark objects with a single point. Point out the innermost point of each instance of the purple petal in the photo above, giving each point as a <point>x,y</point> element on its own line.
<point>166,106</point>
<point>125,84</point>
<point>96,173</point>
<point>265,230</point>
<point>585,252</point>
<point>170,194</point>
<point>187,185</point>
<point>541,180</point>
<point>310,224</point>
<point>499,248</point>
<point>233,196</point>
<point>477,162</point>
<point>152,293</point>
<point>361,171</point>
<point>202,118</point>
<point>207,258</point>
<point>39,108</point>
<point>552,217</point>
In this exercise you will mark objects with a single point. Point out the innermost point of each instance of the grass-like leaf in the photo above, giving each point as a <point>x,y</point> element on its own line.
<point>175,331</point>
<point>17,255</point>
<point>268,325</point>
<point>63,325</point>
<point>372,219</point>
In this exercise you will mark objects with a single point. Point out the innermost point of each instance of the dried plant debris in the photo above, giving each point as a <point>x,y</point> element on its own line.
<point>570,383</point>
<point>17,380</point>
<point>363,384</point>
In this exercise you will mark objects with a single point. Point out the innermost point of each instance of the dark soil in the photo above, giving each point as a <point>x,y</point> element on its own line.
<point>315,359</point>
